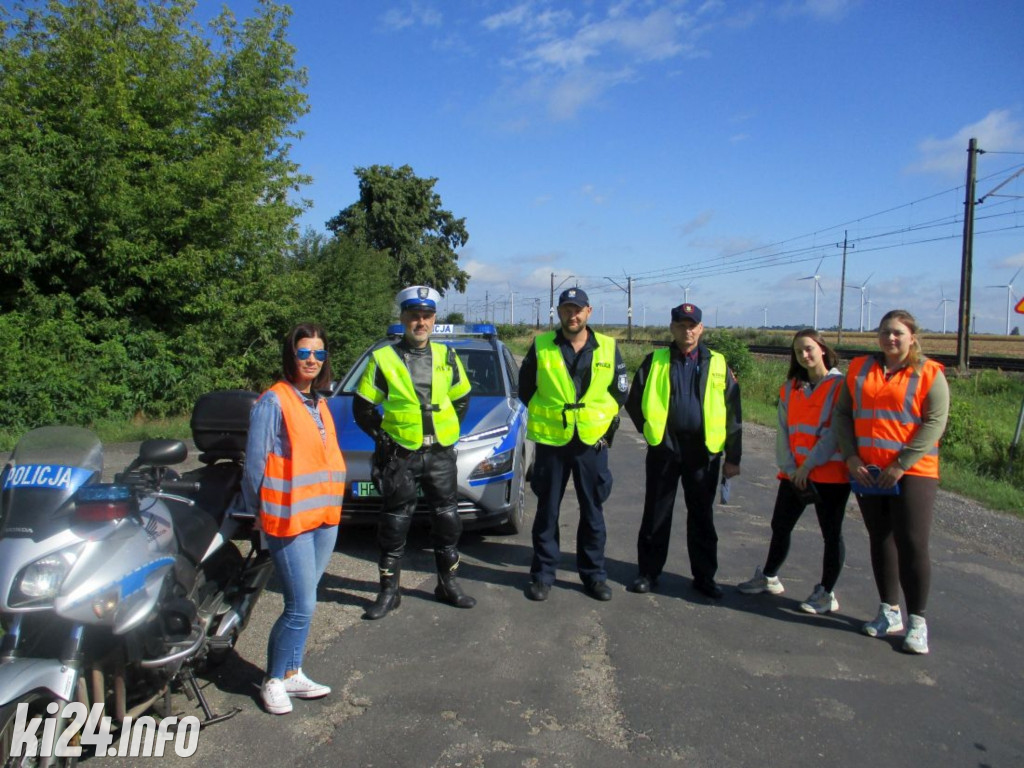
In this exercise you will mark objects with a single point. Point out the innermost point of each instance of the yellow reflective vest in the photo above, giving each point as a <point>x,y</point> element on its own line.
<point>403,412</point>
<point>554,412</point>
<point>657,392</point>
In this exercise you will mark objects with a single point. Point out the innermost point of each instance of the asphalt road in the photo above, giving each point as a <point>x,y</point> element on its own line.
<point>662,679</point>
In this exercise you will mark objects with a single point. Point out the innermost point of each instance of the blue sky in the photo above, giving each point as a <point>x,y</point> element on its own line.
<point>723,146</point>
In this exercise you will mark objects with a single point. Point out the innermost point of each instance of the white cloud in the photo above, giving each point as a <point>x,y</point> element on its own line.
<point>998,130</point>
<point>697,222</point>
<point>414,14</point>
<point>1016,261</point>
<point>483,272</point>
<point>570,61</point>
<point>824,10</point>
<point>590,191</point>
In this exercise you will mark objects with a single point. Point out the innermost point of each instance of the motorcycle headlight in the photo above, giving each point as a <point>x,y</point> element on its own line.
<point>41,581</point>
<point>498,464</point>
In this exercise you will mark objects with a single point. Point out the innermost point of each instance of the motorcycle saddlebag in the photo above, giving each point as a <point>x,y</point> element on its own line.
<point>220,423</point>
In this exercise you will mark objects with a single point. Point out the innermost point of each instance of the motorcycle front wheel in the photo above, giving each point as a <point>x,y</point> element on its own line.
<point>37,702</point>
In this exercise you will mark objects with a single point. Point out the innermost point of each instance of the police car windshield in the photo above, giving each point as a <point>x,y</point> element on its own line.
<point>482,369</point>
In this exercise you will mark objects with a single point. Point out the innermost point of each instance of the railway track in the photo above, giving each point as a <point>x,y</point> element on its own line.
<point>976,362</point>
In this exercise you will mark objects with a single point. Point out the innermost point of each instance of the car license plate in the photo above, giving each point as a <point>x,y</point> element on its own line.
<point>363,489</point>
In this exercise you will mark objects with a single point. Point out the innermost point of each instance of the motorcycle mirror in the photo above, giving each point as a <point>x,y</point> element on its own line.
<point>160,452</point>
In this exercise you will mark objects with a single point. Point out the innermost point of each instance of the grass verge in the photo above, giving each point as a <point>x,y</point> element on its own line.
<point>975,450</point>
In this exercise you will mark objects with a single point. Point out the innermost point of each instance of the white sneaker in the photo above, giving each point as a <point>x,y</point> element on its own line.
<point>275,697</point>
<point>820,601</point>
<point>301,687</point>
<point>888,620</point>
<point>916,640</point>
<point>761,583</point>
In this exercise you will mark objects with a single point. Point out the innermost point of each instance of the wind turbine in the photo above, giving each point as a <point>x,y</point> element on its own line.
<point>1009,297</point>
<point>686,291</point>
<point>943,304</point>
<point>862,287</point>
<point>869,303</point>
<point>817,287</point>
<point>765,310</point>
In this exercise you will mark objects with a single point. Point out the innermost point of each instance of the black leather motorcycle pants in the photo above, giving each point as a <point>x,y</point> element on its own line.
<point>431,471</point>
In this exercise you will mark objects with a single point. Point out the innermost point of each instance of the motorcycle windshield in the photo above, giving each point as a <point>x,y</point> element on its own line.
<point>46,469</point>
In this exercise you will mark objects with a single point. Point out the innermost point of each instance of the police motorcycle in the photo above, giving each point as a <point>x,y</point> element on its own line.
<point>115,593</point>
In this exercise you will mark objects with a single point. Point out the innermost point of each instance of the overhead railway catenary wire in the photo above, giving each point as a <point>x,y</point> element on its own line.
<point>814,251</point>
<point>794,257</point>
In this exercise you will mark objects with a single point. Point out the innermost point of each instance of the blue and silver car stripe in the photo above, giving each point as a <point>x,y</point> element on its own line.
<point>508,443</point>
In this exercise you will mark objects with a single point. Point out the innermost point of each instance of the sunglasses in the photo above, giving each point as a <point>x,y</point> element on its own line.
<point>305,353</point>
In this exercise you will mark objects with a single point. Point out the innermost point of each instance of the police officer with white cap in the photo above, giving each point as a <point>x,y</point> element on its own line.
<point>573,382</point>
<point>424,392</point>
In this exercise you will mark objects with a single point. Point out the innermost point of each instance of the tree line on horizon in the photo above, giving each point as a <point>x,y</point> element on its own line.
<point>149,244</point>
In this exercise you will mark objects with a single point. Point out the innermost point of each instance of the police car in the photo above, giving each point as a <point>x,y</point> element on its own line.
<point>493,452</point>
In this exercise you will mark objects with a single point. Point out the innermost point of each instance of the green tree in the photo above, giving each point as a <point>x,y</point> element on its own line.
<point>400,214</point>
<point>146,164</point>
<point>346,292</point>
<point>146,205</point>
<point>735,351</point>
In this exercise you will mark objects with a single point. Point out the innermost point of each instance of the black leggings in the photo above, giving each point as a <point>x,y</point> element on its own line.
<point>898,527</point>
<point>830,510</point>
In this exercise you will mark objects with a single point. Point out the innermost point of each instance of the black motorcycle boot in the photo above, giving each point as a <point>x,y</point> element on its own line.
<point>448,589</point>
<point>389,597</point>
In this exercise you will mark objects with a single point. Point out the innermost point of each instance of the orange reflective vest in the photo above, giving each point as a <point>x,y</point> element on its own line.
<point>807,416</point>
<point>302,491</point>
<point>886,414</point>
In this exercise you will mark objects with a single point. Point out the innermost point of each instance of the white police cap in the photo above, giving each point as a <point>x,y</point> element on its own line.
<point>418,297</point>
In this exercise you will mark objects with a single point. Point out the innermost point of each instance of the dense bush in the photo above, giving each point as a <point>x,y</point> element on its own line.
<point>507,331</point>
<point>735,350</point>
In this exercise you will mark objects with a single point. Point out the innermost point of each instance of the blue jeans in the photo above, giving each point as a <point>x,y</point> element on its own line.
<point>300,562</point>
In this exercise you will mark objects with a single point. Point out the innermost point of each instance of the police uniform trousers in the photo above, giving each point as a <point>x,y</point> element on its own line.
<point>434,470</point>
<point>697,472</point>
<point>592,480</point>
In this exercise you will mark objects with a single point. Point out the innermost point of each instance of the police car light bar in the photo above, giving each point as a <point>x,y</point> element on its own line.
<point>486,330</point>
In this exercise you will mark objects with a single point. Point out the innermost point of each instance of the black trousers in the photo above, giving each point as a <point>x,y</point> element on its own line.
<point>831,510</point>
<point>588,467</point>
<point>697,472</point>
<point>434,470</point>
<point>899,528</point>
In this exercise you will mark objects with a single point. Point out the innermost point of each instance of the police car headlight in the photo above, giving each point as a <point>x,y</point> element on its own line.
<point>41,581</point>
<point>488,434</point>
<point>498,464</point>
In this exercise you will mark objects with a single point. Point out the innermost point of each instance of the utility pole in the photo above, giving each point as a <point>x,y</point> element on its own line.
<point>842,289</point>
<point>963,332</point>
<point>628,290</point>
<point>551,313</point>
<point>629,309</point>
